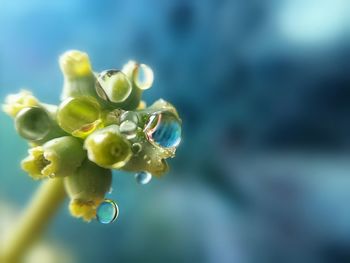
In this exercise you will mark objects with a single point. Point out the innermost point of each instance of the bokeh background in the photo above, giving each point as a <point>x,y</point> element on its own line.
<point>263,88</point>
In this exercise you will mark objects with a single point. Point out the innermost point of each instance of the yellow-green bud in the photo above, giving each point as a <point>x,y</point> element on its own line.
<point>14,103</point>
<point>108,148</point>
<point>57,158</point>
<point>87,188</point>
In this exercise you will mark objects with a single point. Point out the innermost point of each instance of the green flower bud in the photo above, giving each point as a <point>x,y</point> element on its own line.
<point>14,103</point>
<point>74,63</point>
<point>37,125</point>
<point>87,188</point>
<point>79,116</point>
<point>152,146</point>
<point>147,157</point>
<point>108,148</point>
<point>57,158</point>
<point>79,80</point>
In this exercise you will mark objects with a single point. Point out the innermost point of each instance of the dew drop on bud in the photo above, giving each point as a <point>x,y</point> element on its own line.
<point>163,129</point>
<point>143,177</point>
<point>129,116</point>
<point>107,212</point>
<point>136,148</point>
<point>143,77</point>
<point>128,128</point>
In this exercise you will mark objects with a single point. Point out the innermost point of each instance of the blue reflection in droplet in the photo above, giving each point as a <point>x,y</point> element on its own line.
<point>107,212</point>
<point>143,177</point>
<point>167,130</point>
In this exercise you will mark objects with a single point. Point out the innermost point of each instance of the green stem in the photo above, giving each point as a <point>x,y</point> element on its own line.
<point>36,217</point>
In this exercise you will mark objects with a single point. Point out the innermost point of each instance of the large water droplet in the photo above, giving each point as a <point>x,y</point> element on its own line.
<point>164,129</point>
<point>143,177</point>
<point>128,128</point>
<point>113,85</point>
<point>143,77</point>
<point>107,212</point>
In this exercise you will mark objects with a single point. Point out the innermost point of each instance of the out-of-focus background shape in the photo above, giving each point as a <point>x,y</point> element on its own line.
<point>263,88</point>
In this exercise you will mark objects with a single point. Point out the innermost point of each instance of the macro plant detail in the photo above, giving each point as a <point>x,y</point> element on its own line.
<point>101,124</point>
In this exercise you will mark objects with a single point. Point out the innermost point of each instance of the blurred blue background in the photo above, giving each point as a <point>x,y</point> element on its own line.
<point>263,88</point>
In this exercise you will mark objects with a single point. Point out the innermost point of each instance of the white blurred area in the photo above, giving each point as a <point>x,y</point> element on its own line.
<point>44,251</point>
<point>313,23</point>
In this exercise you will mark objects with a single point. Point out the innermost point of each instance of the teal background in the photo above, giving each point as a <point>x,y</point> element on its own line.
<point>262,174</point>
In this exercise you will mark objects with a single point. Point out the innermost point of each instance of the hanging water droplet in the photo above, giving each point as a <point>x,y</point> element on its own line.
<point>143,77</point>
<point>129,116</point>
<point>107,212</point>
<point>163,129</point>
<point>128,128</point>
<point>136,148</point>
<point>143,177</point>
<point>110,190</point>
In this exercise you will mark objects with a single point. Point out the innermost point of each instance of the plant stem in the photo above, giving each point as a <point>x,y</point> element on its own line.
<point>36,217</point>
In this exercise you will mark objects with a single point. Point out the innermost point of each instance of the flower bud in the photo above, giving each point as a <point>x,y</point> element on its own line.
<point>87,188</point>
<point>14,103</point>
<point>108,148</point>
<point>57,158</point>
<point>79,80</point>
<point>160,137</point>
<point>74,63</point>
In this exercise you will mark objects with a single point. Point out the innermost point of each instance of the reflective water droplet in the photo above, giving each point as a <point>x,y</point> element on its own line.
<point>136,148</point>
<point>128,128</point>
<point>107,212</point>
<point>143,77</point>
<point>143,177</point>
<point>110,190</point>
<point>164,129</point>
<point>129,116</point>
<point>113,85</point>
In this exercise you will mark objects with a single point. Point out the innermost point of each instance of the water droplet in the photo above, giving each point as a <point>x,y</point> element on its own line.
<point>128,128</point>
<point>164,129</point>
<point>143,77</point>
<point>113,85</point>
<point>129,116</point>
<point>136,148</point>
<point>143,177</point>
<point>110,190</point>
<point>107,212</point>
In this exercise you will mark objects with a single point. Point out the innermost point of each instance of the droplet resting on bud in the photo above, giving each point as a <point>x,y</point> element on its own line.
<point>33,123</point>
<point>79,116</point>
<point>113,85</point>
<point>37,125</point>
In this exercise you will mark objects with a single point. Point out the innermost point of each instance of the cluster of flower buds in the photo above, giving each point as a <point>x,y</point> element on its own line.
<point>101,124</point>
